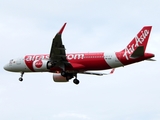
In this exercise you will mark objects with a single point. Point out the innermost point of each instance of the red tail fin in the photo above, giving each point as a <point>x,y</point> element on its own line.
<point>141,39</point>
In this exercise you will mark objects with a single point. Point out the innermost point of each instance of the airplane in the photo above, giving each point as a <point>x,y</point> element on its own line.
<point>66,66</point>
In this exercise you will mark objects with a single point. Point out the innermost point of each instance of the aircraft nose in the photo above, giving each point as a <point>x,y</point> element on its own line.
<point>6,67</point>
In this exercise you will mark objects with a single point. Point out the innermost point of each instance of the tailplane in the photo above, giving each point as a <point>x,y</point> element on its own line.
<point>136,48</point>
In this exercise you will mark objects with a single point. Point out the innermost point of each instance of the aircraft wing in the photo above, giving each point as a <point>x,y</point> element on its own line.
<point>99,74</point>
<point>57,53</point>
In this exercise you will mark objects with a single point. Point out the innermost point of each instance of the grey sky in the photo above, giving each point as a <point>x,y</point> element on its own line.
<point>27,27</point>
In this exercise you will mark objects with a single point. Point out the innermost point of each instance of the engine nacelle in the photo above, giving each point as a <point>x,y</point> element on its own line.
<point>57,77</point>
<point>40,65</point>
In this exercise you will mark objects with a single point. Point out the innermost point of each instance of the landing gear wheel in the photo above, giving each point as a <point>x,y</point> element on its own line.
<point>20,79</point>
<point>63,73</point>
<point>76,81</point>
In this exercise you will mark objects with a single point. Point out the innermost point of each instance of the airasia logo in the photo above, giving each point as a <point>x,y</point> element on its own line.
<point>138,41</point>
<point>38,64</point>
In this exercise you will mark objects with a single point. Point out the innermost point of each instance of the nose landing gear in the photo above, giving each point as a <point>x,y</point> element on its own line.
<point>21,78</point>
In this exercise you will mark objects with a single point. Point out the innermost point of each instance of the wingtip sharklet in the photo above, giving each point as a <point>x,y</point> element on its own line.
<point>112,71</point>
<point>61,30</point>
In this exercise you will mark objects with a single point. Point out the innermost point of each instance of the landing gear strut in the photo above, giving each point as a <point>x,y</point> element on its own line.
<point>21,78</point>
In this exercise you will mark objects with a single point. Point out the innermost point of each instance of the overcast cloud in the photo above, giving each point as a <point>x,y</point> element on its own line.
<point>27,27</point>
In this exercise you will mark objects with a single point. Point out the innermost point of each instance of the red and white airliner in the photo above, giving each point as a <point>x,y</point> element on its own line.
<point>66,66</point>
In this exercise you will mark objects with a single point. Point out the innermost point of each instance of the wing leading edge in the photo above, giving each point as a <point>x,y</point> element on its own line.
<point>57,53</point>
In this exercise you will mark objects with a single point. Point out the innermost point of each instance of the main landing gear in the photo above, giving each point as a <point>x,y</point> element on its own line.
<point>21,78</point>
<point>70,76</point>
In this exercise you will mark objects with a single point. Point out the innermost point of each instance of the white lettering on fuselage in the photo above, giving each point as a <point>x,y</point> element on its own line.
<point>138,41</point>
<point>75,56</point>
<point>46,57</point>
<point>36,57</point>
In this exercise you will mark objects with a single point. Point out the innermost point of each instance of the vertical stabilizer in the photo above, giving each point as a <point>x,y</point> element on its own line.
<point>141,39</point>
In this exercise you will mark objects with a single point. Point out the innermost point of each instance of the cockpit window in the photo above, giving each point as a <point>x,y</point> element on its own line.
<point>11,61</point>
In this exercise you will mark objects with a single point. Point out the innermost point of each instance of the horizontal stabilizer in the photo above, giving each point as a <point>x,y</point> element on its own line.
<point>138,52</point>
<point>99,74</point>
<point>150,59</point>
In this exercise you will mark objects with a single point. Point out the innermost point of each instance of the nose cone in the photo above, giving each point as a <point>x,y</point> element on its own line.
<point>6,67</point>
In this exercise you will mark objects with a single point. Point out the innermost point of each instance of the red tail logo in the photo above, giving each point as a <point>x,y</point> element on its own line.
<point>140,40</point>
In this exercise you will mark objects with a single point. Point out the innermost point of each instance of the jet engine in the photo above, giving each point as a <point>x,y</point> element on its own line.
<point>57,77</point>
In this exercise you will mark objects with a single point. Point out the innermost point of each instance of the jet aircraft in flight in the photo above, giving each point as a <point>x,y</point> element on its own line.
<point>66,66</point>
